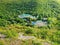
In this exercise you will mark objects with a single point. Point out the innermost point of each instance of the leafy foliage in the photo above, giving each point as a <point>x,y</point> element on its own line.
<point>11,24</point>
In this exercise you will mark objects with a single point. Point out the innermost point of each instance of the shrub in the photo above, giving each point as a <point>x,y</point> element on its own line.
<point>29,31</point>
<point>3,22</point>
<point>11,33</point>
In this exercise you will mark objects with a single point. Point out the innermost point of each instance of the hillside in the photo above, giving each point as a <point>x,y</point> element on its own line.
<point>38,19</point>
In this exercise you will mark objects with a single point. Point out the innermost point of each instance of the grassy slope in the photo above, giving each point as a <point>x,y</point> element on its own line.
<point>41,34</point>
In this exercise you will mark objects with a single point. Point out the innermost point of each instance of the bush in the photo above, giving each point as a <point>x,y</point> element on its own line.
<point>29,31</point>
<point>3,22</point>
<point>11,33</point>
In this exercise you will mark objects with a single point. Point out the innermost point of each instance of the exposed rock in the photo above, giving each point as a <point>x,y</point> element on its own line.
<point>2,36</point>
<point>22,37</point>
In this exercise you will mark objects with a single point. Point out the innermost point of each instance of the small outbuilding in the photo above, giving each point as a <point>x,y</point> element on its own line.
<point>36,22</point>
<point>39,23</point>
<point>27,16</point>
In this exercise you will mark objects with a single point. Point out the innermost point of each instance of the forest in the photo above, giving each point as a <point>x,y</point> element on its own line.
<point>29,22</point>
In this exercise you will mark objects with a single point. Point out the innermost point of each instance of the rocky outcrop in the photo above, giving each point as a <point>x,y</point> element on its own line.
<point>22,37</point>
<point>2,36</point>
